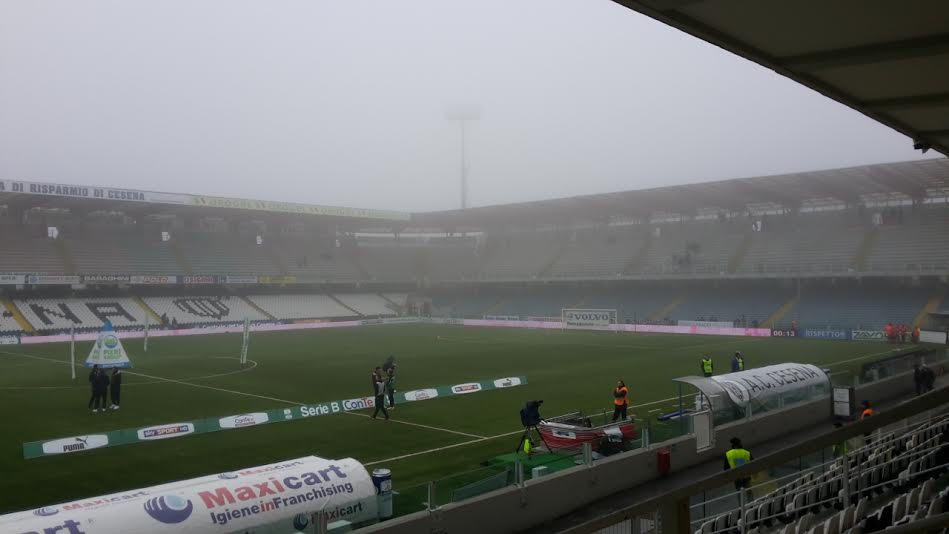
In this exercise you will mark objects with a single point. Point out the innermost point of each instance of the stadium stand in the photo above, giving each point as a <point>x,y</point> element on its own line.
<point>122,255</point>
<point>518,255</point>
<point>858,306</point>
<point>366,303</point>
<point>8,324</point>
<point>320,259</point>
<point>392,262</point>
<point>919,243</point>
<point>597,252</point>
<point>203,310</point>
<point>450,261</point>
<point>22,254</point>
<point>62,314</point>
<point>227,254</point>
<point>891,481</point>
<point>301,306</point>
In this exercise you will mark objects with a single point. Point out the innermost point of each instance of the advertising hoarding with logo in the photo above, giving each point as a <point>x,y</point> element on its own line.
<point>114,438</point>
<point>52,280</point>
<point>769,381</point>
<point>239,501</point>
<point>817,333</point>
<point>12,279</point>
<point>153,280</point>
<point>108,352</point>
<point>9,340</point>
<point>867,335</point>
<point>75,444</point>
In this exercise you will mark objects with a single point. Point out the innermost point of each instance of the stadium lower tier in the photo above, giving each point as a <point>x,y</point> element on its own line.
<point>868,305</point>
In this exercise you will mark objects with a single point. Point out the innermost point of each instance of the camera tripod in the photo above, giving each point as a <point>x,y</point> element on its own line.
<point>527,436</point>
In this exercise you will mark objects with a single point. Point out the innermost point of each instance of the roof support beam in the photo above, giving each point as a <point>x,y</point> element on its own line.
<point>909,102</point>
<point>863,55</point>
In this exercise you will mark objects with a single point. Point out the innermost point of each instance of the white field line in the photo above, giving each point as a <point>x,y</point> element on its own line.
<point>235,392</point>
<point>480,439</point>
<point>841,362</point>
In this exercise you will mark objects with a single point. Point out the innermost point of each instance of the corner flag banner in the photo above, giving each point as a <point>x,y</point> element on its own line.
<point>108,351</point>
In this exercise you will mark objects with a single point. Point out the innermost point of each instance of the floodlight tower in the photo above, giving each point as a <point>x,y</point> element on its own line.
<point>463,115</point>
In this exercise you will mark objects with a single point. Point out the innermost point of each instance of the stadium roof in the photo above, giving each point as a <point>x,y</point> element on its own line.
<point>888,60</point>
<point>91,198</point>
<point>853,185</point>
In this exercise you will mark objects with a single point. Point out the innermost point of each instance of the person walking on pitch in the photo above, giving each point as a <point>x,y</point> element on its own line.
<point>390,386</point>
<point>380,394</point>
<point>115,387</point>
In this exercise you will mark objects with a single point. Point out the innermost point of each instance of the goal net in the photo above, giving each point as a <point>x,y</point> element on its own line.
<point>587,319</point>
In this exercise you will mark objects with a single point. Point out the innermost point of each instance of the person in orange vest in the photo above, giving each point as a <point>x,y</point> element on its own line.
<point>915,335</point>
<point>866,412</point>
<point>620,400</point>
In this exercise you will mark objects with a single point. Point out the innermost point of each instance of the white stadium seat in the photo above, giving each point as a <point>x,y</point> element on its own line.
<point>205,310</point>
<point>62,314</point>
<point>289,307</point>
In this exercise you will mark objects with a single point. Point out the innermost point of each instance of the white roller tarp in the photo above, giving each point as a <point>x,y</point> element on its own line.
<point>757,384</point>
<point>246,501</point>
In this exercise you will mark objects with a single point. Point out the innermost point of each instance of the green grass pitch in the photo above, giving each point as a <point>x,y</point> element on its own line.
<point>570,370</point>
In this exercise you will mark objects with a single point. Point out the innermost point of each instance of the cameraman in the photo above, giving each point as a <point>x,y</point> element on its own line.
<point>620,400</point>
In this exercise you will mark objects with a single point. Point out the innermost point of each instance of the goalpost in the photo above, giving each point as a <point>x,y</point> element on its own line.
<point>587,319</point>
<point>245,342</point>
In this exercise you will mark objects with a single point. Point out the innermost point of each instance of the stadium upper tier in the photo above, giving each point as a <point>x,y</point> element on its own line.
<point>901,240</point>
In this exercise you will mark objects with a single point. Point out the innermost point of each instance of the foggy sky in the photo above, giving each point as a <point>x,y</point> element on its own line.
<point>343,102</point>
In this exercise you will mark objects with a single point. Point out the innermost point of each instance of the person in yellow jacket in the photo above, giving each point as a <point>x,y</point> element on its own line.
<point>620,400</point>
<point>738,456</point>
<point>707,366</point>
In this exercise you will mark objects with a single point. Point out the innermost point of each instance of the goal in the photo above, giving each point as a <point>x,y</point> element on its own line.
<point>587,319</point>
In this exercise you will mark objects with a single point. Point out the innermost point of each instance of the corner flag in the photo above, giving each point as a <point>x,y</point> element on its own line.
<point>108,351</point>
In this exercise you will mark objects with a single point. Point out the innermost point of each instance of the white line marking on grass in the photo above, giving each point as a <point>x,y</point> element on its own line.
<point>235,392</point>
<point>480,439</point>
<point>158,381</point>
<point>841,362</point>
<point>439,449</point>
<point>421,426</point>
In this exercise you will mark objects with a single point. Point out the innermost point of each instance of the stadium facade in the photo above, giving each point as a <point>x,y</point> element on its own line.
<point>836,249</point>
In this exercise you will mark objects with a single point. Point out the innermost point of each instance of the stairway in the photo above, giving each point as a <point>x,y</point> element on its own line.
<point>667,309</point>
<point>17,316</point>
<point>931,305</point>
<point>62,250</point>
<point>155,318</point>
<point>343,304</point>
<point>736,259</point>
<point>490,311</point>
<point>633,265</point>
<point>549,266</point>
<point>180,258</point>
<point>859,262</point>
<point>277,260</point>
<point>254,305</point>
<point>780,312</point>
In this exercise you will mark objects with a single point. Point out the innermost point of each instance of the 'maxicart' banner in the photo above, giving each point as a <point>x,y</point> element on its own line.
<point>128,436</point>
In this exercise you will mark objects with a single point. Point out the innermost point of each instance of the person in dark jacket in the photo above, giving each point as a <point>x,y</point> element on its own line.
<point>115,387</point>
<point>379,387</point>
<point>92,385</point>
<point>100,386</point>
<point>390,386</point>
